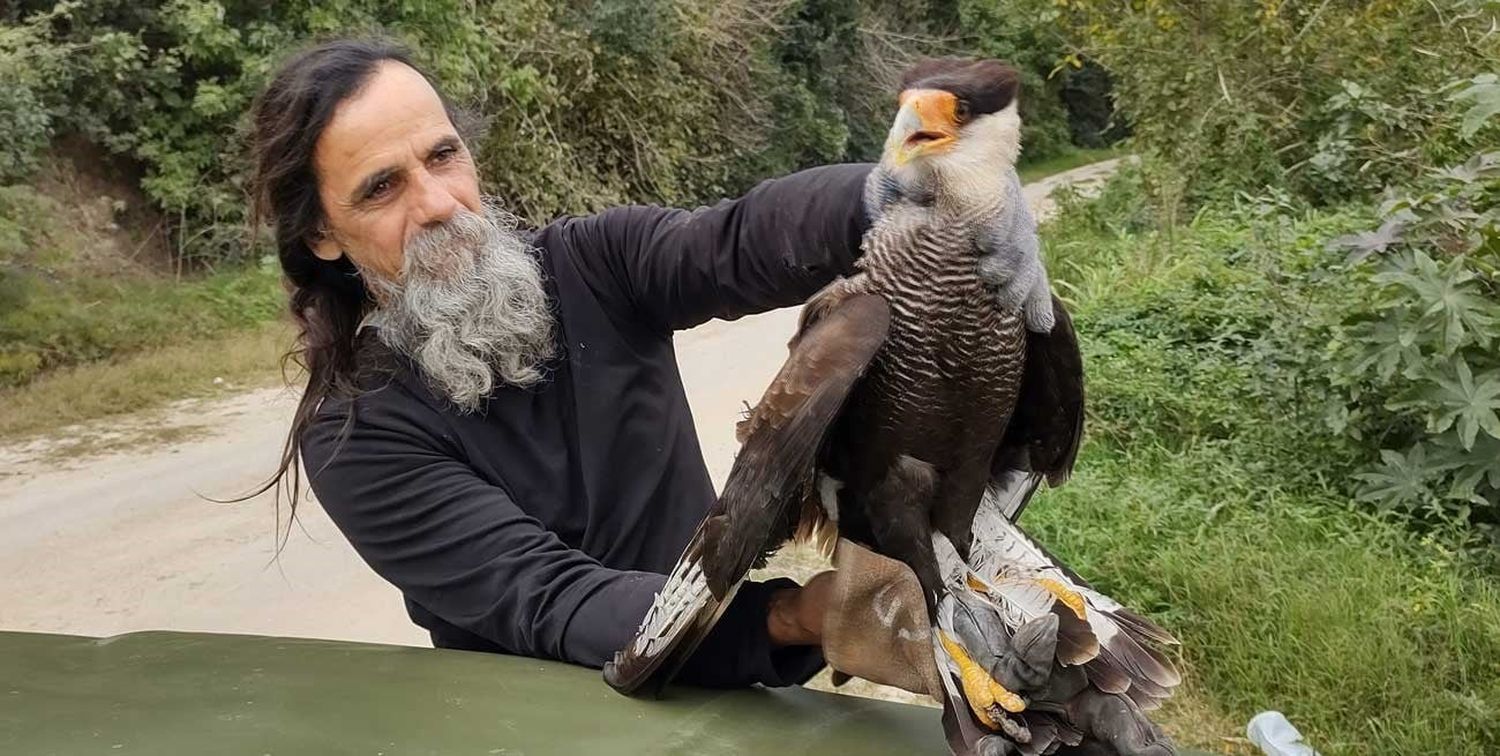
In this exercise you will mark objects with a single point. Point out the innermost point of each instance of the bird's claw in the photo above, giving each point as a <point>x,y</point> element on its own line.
<point>987,698</point>
<point>997,670</point>
<point>1021,285</point>
<point>1019,661</point>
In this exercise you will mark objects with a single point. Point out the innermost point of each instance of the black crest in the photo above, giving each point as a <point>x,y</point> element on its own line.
<point>984,85</point>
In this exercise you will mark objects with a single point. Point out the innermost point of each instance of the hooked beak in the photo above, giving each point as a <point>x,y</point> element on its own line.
<point>927,123</point>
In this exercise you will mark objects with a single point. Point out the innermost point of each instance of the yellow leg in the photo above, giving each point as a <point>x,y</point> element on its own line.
<point>1070,598</point>
<point>980,689</point>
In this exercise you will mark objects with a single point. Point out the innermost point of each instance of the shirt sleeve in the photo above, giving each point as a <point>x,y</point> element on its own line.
<point>462,549</point>
<point>773,247</point>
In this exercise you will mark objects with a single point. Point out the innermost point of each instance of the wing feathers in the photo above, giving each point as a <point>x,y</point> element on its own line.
<point>757,512</point>
<point>1143,628</point>
<point>1046,428</point>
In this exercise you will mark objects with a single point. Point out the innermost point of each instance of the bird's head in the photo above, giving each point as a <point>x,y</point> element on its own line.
<point>957,124</point>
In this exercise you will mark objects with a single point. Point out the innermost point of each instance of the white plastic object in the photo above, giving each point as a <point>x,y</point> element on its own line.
<point>1274,735</point>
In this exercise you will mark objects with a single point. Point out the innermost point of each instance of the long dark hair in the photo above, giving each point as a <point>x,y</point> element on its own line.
<point>327,299</point>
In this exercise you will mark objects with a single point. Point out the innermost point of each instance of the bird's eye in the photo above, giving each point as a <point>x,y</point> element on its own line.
<point>961,110</point>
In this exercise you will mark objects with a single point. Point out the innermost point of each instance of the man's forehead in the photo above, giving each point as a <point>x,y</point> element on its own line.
<point>393,107</point>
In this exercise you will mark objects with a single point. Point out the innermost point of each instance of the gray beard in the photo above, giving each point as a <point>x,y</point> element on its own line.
<point>469,309</point>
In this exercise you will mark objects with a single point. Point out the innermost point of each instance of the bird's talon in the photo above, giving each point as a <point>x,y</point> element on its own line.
<point>1067,596</point>
<point>1007,700</point>
<point>1014,728</point>
<point>988,699</point>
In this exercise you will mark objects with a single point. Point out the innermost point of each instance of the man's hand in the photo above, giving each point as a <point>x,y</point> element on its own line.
<point>795,616</point>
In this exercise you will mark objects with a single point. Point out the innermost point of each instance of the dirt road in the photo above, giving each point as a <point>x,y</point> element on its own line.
<point>124,542</point>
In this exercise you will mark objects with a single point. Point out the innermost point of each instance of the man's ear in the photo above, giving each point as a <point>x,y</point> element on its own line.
<point>324,246</point>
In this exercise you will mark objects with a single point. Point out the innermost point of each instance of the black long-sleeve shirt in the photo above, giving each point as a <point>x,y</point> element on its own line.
<point>543,524</point>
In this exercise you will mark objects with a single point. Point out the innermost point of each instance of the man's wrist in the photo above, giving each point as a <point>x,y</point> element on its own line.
<point>784,622</point>
<point>794,616</point>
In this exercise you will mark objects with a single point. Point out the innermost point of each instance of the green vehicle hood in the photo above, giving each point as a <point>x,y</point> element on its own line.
<point>189,693</point>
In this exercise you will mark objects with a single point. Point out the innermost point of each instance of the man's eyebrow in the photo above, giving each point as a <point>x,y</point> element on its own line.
<point>367,187</point>
<point>451,141</point>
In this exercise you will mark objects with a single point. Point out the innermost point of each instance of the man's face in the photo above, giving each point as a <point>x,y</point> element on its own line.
<point>389,165</point>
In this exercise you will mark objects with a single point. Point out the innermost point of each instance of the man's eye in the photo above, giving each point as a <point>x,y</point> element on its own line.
<point>444,155</point>
<point>380,189</point>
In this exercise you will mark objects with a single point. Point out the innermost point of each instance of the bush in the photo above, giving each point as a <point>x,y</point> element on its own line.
<point>1214,494</point>
<point>1209,332</point>
<point>669,101</point>
<point>26,62</point>
<point>1366,359</point>
<point>1332,101</point>
<point>1418,356</point>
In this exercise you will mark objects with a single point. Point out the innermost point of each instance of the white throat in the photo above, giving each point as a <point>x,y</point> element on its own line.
<point>976,171</point>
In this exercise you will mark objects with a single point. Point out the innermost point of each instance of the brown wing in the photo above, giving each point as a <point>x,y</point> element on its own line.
<point>756,513</point>
<point>1041,440</point>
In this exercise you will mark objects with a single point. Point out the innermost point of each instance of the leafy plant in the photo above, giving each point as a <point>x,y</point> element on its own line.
<point>669,101</point>
<point>1331,100</point>
<point>1420,364</point>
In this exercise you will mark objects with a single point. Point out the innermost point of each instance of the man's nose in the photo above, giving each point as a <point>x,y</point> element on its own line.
<point>434,203</point>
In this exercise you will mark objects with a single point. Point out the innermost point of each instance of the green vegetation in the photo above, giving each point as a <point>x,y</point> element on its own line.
<point>1330,101</point>
<point>1290,310</point>
<point>1373,641</point>
<point>210,366</point>
<point>1213,494</point>
<point>59,307</point>
<point>581,106</point>
<point>1381,341</point>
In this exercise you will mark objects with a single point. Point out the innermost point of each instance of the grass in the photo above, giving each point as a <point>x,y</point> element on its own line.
<point>48,323</point>
<point>145,380</point>
<point>72,290</point>
<point>1371,640</point>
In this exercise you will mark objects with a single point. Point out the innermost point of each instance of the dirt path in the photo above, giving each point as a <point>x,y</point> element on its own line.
<point>123,542</point>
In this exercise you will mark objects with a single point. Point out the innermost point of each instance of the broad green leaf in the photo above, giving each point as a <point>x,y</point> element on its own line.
<point>1400,480</point>
<point>1387,346</point>
<point>1471,467</point>
<point>1483,94</point>
<point>1366,243</point>
<point>1467,403</point>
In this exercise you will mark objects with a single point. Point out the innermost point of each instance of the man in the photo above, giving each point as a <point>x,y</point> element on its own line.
<point>495,420</point>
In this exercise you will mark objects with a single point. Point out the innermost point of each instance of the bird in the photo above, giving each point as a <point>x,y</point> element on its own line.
<point>924,400</point>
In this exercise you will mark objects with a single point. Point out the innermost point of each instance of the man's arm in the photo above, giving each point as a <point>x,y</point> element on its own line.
<point>463,550</point>
<point>773,247</point>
